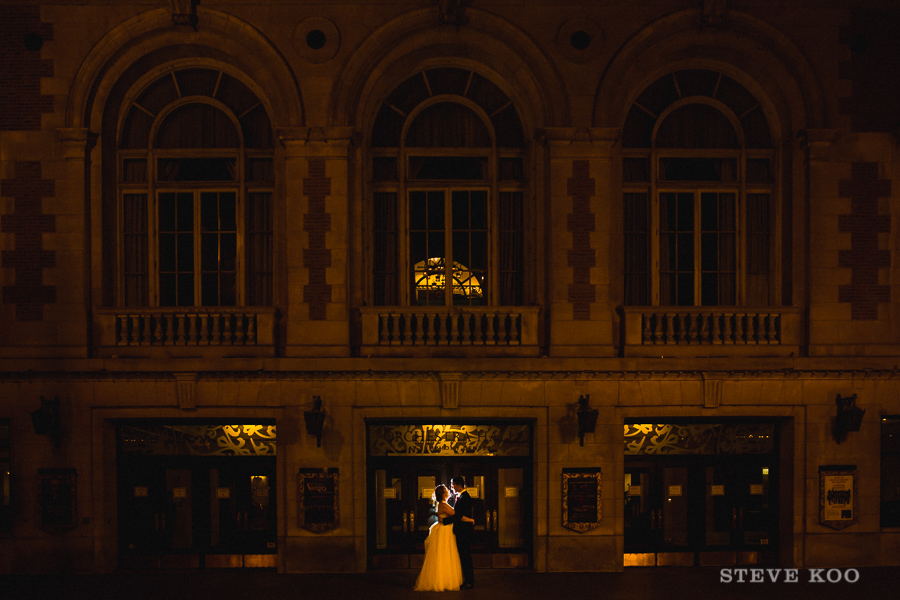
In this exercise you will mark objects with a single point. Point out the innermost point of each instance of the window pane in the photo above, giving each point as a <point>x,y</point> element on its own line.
<point>228,290</point>
<point>435,210</point>
<point>185,289</point>
<point>418,246</point>
<point>209,252</point>
<point>5,478</point>
<point>709,252</point>
<point>511,250</point>
<point>167,251</point>
<point>167,295</point>
<point>478,251</point>
<point>185,251</point>
<point>436,245</point>
<point>228,252</point>
<point>167,220</point>
<point>461,248</point>
<point>454,168</point>
<point>209,212</point>
<point>418,210</point>
<point>460,208</point>
<point>685,250</point>
<point>228,211</point>
<point>478,209</point>
<point>185,212</point>
<point>209,286</point>
<point>685,220</point>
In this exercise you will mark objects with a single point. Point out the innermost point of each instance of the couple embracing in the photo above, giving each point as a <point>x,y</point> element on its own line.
<point>448,555</point>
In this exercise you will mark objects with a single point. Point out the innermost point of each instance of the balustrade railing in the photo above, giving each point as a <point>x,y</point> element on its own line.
<point>186,327</point>
<point>677,326</point>
<point>441,326</point>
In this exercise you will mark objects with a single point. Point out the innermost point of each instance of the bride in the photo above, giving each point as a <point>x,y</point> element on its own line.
<point>441,570</point>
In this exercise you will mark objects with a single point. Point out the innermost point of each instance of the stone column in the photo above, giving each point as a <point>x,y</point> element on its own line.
<point>317,195</point>
<point>581,196</point>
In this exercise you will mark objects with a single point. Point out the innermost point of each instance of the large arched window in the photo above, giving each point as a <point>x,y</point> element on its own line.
<point>195,180</point>
<point>699,178</point>
<point>448,179</point>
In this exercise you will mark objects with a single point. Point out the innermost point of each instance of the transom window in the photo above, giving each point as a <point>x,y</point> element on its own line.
<point>195,185</point>
<point>699,173</point>
<point>447,170</point>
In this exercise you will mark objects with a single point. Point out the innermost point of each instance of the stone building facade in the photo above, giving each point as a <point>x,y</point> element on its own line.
<point>273,270</point>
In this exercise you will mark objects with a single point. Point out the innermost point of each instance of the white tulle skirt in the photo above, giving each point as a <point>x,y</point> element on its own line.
<point>441,570</point>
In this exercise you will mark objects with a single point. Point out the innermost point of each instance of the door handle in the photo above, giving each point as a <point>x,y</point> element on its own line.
<point>495,521</point>
<point>659,518</point>
<point>734,518</point>
<point>412,520</point>
<point>405,522</point>
<point>487,518</point>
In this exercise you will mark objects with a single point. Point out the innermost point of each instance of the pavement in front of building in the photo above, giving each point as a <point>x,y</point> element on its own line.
<point>632,584</point>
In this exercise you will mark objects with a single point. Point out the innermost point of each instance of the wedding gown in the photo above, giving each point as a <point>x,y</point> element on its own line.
<point>441,570</point>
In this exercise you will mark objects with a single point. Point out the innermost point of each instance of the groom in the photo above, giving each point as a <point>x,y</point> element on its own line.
<point>463,530</point>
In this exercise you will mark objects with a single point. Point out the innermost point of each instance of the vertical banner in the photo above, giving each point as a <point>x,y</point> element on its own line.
<point>581,504</point>
<point>318,504</point>
<point>838,496</point>
<point>57,499</point>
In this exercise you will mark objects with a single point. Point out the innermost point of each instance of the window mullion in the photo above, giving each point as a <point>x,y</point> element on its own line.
<point>198,243</point>
<point>698,250</point>
<point>448,247</point>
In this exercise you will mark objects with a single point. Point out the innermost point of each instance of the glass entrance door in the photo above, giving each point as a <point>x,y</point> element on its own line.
<point>709,511</point>
<point>195,512</point>
<point>401,511</point>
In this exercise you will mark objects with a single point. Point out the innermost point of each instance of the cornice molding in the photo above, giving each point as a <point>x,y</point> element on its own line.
<point>628,375</point>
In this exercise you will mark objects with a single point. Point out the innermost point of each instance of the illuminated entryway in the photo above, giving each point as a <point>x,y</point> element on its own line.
<point>407,460</point>
<point>196,496</point>
<point>702,494</point>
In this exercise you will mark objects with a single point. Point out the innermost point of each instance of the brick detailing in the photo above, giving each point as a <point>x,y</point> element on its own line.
<point>21,102</point>
<point>28,224</point>
<point>582,293</point>
<point>316,223</point>
<point>864,224</point>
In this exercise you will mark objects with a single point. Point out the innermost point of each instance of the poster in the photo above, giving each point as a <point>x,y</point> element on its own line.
<point>838,496</point>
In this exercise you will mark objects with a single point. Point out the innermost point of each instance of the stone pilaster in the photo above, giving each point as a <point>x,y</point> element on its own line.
<point>580,181</point>
<point>317,188</point>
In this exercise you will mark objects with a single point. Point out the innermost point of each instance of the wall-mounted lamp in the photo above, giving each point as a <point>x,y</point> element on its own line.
<point>587,417</point>
<point>45,420</point>
<point>848,418</point>
<point>315,420</point>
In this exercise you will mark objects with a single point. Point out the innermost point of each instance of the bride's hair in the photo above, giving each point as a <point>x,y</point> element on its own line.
<point>438,494</point>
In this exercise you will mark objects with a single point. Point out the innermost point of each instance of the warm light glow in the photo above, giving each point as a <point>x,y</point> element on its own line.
<point>765,471</point>
<point>431,276</point>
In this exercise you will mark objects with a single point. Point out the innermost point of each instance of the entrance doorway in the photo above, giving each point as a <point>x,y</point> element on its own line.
<point>401,511</point>
<point>696,505</point>
<point>192,511</point>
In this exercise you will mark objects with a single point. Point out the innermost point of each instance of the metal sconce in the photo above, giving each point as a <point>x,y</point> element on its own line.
<point>45,420</point>
<point>848,418</point>
<point>587,417</point>
<point>315,420</point>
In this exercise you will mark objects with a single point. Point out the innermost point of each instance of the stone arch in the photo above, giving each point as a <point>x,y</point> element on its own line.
<point>487,43</point>
<point>248,51</point>
<point>745,48</point>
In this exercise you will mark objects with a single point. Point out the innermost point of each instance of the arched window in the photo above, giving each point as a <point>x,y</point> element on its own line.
<point>195,185</point>
<point>699,177</point>
<point>448,180</point>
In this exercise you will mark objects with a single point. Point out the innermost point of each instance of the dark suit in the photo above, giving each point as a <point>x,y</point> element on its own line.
<point>464,533</point>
